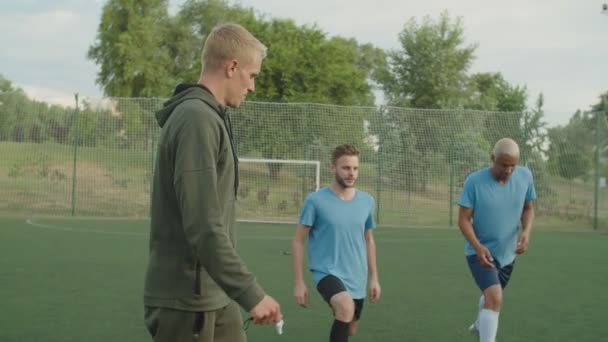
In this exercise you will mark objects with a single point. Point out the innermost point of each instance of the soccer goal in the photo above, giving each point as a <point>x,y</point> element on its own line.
<point>273,190</point>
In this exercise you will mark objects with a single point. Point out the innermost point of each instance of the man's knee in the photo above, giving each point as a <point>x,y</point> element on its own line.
<point>493,297</point>
<point>343,306</point>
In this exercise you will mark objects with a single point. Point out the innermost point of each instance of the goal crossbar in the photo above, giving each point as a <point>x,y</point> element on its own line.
<point>290,161</point>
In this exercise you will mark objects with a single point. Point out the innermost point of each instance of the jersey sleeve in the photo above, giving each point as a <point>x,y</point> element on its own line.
<point>467,196</point>
<point>531,192</point>
<point>308,214</point>
<point>369,222</point>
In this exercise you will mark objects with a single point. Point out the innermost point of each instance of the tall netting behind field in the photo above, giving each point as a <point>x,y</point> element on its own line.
<point>273,190</point>
<point>598,178</point>
<point>98,160</point>
<point>575,173</point>
<point>415,161</point>
<point>294,131</point>
<point>424,156</point>
<point>94,160</point>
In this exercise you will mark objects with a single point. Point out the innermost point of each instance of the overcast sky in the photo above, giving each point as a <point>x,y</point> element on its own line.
<point>558,47</point>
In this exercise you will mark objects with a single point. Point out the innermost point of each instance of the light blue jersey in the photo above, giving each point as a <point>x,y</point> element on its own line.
<point>497,210</point>
<point>336,243</point>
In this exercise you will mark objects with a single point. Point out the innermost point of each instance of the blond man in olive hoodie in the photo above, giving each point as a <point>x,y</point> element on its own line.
<point>195,280</point>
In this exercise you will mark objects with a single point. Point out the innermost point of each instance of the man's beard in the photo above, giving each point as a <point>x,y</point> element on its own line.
<point>342,183</point>
<point>504,177</point>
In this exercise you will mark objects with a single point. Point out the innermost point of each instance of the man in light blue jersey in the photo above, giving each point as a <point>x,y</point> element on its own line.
<point>338,221</point>
<point>494,203</point>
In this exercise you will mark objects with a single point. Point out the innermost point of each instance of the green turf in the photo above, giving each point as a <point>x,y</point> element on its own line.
<point>81,280</point>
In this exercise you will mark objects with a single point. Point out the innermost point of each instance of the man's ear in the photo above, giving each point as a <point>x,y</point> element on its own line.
<point>230,67</point>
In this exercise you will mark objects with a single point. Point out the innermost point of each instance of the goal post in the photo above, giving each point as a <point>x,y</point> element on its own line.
<point>273,190</point>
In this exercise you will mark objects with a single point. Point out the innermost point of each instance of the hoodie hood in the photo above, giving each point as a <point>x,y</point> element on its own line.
<point>185,92</point>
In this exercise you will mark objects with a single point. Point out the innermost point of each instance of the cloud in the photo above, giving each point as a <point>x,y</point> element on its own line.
<point>552,46</point>
<point>50,37</point>
<point>50,95</point>
<point>47,46</point>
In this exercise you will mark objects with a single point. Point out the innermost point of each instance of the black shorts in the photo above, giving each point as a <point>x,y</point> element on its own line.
<point>330,285</point>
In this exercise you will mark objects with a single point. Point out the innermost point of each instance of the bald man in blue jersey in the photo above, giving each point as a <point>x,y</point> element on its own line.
<point>495,202</point>
<point>338,221</point>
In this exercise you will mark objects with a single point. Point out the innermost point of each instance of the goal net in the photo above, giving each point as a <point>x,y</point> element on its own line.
<point>273,190</point>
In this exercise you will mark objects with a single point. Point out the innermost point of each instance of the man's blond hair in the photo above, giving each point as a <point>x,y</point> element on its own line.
<point>228,41</point>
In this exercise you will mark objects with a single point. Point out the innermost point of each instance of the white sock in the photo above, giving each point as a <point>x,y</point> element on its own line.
<point>482,302</point>
<point>488,325</point>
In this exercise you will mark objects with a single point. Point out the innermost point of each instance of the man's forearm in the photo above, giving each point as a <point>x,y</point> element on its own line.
<point>297,254</point>
<point>371,259</point>
<point>527,218</point>
<point>466,228</point>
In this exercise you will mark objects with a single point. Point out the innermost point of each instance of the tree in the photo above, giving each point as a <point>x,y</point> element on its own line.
<point>8,98</point>
<point>130,49</point>
<point>25,120</point>
<point>469,152</point>
<point>57,123</point>
<point>573,165</point>
<point>491,92</point>
<point>430,70</point>
<point>534,135</point>
<point>600,106</point>
<point>571,147</point>
<point>303,63</point>
<point>144,52</point>
<point>17,113</point>
<point>192,24</point>
<point>303,66</point>
<point>596,126</point>
<point>572,139</point>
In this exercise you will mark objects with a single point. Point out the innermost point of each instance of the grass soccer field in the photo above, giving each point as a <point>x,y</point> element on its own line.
<point>81,280</point>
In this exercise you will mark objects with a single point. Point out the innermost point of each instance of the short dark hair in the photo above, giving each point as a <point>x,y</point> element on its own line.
<point>344,150</point>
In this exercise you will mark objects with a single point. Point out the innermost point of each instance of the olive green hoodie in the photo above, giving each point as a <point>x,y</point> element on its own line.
<point>193,264</point>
